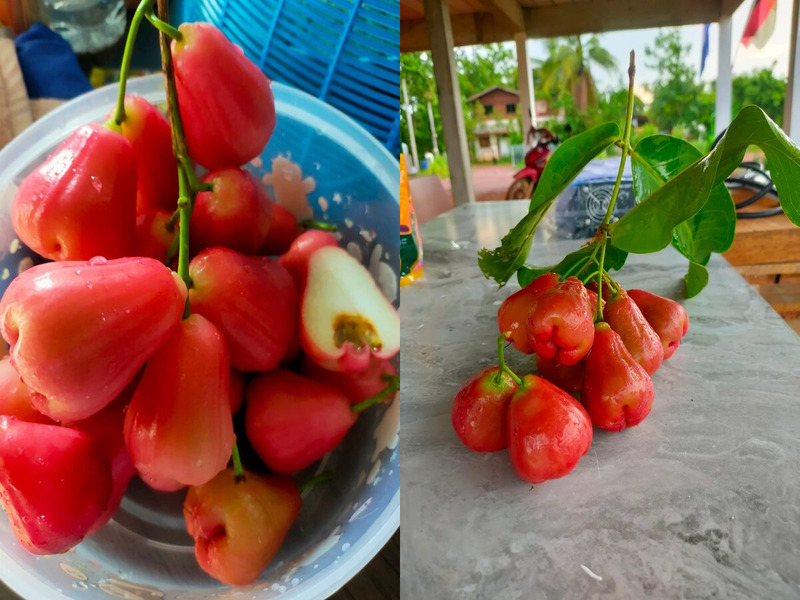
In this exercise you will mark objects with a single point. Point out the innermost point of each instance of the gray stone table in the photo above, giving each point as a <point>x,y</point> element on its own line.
<point>702,500</point>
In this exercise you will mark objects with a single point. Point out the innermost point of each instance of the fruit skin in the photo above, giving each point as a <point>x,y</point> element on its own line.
<point>178,427</point>
<point>512,316</point>
<point>252,300</point>
<point>237,213</point>
<point>292,421</point>
<point>568,378</point>
<point>480,410</point>
<point>295,259</point>
<point>149,133</point>
<point>239,527</point>
<point>54,483</point>
<point>153,239</point>
<point>548,431</point>
<point>283,230</point>
<point>344,317</point>
<point>617,391</point>
<point>561,324</point>
<point>81,202</point>
<point>105,427</point>
<point>624,317</point>
<point>356,386</point>
<point>667,318</point>
<point>15,396</point>
<point>226,102</point>
<point>79,331</point>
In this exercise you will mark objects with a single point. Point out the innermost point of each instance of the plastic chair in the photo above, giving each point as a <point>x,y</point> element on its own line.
<point>345,52</point>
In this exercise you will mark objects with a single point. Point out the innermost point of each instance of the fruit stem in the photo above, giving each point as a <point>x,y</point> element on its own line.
<point>238,470</point>
<point>388,391</point>
<point>185,206</point>
<point>626,138</point>
<point>164,27</point>
<point>185,169</point>
<point>322,226</point>
<point>172,251</point>
<point>501,340</point>
<point>178,137</point>
<point>145,6</point>
<point>322,477</point>
<point>603,229</point>
<point>600,272</point>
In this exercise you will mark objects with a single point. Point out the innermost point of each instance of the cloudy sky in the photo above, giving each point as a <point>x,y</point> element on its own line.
<point>745,59</point>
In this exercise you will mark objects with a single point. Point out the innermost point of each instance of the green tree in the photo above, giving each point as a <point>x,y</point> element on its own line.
<point>678,100</point>
<point>761,88</point>
<point>567,69</point>
<point>482,67</point>
<point>416,69</point>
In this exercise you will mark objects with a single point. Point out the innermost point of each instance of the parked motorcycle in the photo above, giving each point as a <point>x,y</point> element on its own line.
<point>525,179</point>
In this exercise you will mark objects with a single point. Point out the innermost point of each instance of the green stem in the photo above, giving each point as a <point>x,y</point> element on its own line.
<point>170,226</point>
<point>145,6</point>
<point>185,206</point>
<point>325,476</point>
<point>238,470</point>
<point>164,27</point>
<point>312,224</point>
<point>387,392</point>
<point>599,316</point>
<point>501,355</point>
<point>626,138</point>
<point>577,267</point>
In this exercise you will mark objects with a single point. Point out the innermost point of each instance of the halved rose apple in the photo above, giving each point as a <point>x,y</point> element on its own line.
<point>344,317</point>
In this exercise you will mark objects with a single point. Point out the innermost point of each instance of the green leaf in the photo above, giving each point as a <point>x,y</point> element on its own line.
<point>659,158</point>
<point>569,159</point>
<point>573,263</point>
<point>696,279</point>
<point>648,226</point>
<point>562,167</point>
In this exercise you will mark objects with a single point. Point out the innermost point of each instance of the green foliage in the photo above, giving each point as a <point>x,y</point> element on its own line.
<point>677,99</point>
<point>438,167</point>
<point>681,198</point>
<point>656,160</point>
<point>564,164</point>
<point>482,67</point>
<point>762,88</point>
<point>567,69</point>
<point>417,71</point>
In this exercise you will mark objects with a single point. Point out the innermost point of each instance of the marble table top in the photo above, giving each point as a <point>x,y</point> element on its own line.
<point>701,500</point>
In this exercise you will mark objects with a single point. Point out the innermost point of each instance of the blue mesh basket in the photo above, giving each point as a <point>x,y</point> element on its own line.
<point>345,52</point>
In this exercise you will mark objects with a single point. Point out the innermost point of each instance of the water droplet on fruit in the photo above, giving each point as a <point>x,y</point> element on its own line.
<point>89,284</point>
<point>98,260</point>
<point>78,270</point>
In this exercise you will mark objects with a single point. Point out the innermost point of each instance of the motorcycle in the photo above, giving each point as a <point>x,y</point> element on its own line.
<point>525,179</point>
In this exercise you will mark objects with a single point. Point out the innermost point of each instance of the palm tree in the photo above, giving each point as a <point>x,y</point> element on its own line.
<point>566,69</point>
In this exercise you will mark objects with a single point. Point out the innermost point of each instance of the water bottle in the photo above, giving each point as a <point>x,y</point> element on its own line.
<point>88,25</point>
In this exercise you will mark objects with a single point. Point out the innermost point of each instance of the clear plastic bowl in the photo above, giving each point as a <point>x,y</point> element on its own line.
<point>145,552</point>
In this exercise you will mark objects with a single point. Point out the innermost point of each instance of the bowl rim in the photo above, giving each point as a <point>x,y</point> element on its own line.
<point>54,126</point>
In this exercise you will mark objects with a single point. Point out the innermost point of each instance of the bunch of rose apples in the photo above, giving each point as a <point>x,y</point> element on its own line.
<point>605,361</point>
<point>119,367</point>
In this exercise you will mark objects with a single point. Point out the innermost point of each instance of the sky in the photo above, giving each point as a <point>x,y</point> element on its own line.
<point>745,60</point>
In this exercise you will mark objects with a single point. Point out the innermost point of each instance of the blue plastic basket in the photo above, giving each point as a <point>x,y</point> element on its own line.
<point>345,52</point>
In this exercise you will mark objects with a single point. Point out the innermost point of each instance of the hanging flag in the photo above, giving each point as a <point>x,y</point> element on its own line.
<point>704,54</point>
<point>760,23</point>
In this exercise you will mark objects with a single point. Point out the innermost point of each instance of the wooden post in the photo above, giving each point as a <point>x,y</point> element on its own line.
<point>527,103</point>
<point>724,76</point>
<point>791,109</point>
<point>437,21</point>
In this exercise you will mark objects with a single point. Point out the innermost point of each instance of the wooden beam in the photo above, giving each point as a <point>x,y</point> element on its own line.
<point>567,19</point>
<point>728,7</point>
<point>511,11</point>
<point>437,20</point>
